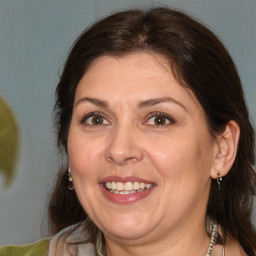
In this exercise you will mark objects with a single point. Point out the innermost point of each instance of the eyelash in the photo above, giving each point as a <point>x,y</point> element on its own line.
<point>92,114</point>
<point>170,119</point>
<point>160,114</point>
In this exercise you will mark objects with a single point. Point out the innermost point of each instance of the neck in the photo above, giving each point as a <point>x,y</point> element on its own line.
<point>189,240</point>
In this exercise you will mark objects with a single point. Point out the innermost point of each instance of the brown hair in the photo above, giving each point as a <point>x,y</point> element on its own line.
<point>200,62</point>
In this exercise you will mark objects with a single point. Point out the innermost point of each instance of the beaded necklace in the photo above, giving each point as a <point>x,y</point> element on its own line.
<point>213,228</point>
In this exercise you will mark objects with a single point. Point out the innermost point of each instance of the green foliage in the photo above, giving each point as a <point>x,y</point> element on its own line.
<point>9,140</point>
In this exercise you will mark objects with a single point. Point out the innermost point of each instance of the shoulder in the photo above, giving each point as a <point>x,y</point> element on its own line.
<point>40,248</point>
<point>73,240</point>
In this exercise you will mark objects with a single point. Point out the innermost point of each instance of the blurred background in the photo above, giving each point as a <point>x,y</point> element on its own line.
<point>35,36</point>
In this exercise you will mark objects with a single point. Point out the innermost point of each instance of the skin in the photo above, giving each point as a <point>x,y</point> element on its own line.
<point>179,157</point>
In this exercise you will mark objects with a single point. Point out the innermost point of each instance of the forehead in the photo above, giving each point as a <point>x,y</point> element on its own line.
<point>133,65</point>
<point>134,75</point>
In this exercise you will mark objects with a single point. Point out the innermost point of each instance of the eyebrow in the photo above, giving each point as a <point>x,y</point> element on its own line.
<point>94,101</point>
<point>142,104</point>
<point>155,101</point>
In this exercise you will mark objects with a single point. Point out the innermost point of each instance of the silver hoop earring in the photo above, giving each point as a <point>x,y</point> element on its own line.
<point>70,180</point>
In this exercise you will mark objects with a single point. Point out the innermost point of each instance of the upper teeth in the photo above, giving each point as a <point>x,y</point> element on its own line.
<point>127,186</point>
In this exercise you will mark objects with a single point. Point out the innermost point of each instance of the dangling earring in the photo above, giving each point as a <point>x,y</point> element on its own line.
<point>70,185</point>
<point>219,179</point>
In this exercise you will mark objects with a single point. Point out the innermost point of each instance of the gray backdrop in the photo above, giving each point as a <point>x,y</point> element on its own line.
<point>35,36</point>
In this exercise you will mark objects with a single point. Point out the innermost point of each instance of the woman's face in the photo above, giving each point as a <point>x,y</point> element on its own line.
<point>139,149</point>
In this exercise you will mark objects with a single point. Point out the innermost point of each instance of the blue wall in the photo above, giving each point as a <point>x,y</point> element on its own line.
<point>34,39</point>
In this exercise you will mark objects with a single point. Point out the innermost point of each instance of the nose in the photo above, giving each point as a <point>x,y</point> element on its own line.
<point>123,146</point>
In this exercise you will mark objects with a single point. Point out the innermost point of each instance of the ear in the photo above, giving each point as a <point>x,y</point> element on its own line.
<point>226,149</point>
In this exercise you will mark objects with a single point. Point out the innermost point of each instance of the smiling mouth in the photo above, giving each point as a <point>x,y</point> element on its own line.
<point>127,187</point>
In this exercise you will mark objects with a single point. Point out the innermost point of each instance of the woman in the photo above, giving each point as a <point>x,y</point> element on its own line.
<point>151,114</point>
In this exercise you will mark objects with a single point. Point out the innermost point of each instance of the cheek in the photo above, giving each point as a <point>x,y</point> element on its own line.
<point>182,158</point>
<point>83,154</point>
<point>83,158</point>
<point>184,166</point>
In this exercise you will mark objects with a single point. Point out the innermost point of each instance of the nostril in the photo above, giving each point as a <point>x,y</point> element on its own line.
<point>121,159</point>
<point>109,159</point>
<point>131,159</point>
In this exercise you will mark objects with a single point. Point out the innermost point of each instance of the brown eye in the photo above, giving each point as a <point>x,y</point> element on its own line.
<point>97,120</point>
<point>160,120</point>
<point>94,119</point>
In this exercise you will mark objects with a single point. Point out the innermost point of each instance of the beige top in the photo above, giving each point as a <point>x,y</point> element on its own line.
<point>70,242</point>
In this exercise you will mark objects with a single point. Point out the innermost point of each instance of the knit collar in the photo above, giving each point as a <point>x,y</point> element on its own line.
<point>71,242</point>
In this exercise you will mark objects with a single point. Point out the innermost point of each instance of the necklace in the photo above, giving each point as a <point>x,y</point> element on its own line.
<point>213,228</point>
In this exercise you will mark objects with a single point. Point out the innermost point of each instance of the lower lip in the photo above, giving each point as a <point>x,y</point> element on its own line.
<point>125,199</point>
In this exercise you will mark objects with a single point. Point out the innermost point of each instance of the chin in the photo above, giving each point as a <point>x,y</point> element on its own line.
<point>130,234</point>
<point>130,229</point>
